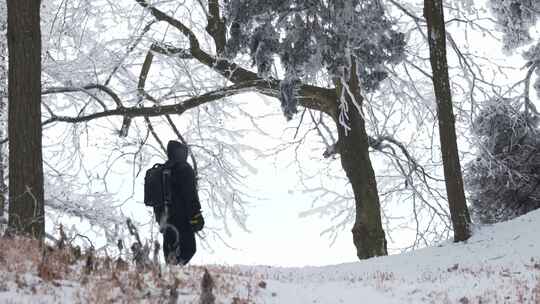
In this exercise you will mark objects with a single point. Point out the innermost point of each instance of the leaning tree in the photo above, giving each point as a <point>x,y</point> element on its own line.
<point>329,54</point>
<point>348,41</point>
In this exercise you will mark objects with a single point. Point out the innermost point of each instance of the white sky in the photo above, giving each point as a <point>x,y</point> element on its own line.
<point>278,235</point>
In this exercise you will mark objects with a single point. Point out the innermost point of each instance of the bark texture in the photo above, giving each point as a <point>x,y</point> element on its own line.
<point>3,104</point>
<point>368,234</point>
<point>26,209</point>
<point>433,12</point>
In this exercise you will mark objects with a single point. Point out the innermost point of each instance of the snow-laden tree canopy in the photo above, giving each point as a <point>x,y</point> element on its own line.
<point>516,18</point>
<point>310,36</point>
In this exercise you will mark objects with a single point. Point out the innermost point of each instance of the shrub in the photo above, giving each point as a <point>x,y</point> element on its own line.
<point>504,179</point>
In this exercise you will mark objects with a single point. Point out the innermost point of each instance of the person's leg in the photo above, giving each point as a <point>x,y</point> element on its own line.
<point>188,246</point>
<point>170,244</point>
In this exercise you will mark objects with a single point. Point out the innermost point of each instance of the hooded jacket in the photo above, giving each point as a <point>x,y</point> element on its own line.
<point>185,200</point>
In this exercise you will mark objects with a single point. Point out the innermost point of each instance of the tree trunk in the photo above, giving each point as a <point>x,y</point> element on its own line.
<point>26,210</point>
<point>433,11</point>
<point>3,101</point>
<point>368,233</point>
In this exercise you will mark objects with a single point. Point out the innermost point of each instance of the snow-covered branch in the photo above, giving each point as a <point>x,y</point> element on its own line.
<point>136,111</point>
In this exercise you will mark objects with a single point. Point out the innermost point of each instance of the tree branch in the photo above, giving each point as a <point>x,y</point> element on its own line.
<point>129,50</point>
<point>182,139</point>
<point>216,26</point>
<point>144,74</point>
<point>528,104</point>
<point>105,89</point>
<point>154,134</point>
<point>378,145</point>
<point>177,108</point>
<point>161,16</point>
<point>145,69</point>
<point>406,11</point>
<point>313,97</point>
<point>169,50</point>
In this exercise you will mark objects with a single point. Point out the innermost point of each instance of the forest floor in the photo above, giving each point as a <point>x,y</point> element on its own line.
<point>499,264</point>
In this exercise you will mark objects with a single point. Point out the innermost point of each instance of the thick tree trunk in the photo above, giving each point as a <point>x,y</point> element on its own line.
<point>368,233</point>
<point>26,210</point>
<point>3,102</point>
<point>433,11</point>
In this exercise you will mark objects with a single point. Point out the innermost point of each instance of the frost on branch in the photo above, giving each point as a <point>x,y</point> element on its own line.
<point>311,37</point>
<point>288,95</point>
<point>515,17</point>
<point>466,5</point>
<point>504,179</point>
<point>262,46</point>
<point>533,58</point>
<point>236,39</point>
<point>67,198</point>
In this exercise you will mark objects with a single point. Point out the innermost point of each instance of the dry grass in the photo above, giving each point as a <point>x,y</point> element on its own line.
<point>34,273</point>
<point>30,268</point>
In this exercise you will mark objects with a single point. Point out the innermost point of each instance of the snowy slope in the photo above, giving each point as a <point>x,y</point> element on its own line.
<point>499,264</point>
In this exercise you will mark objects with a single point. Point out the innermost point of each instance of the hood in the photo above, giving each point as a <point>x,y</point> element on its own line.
<point>177,151</point>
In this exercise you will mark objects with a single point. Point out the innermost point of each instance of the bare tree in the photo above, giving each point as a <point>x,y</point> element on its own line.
<point>26,208</point>
<point>433,12</point>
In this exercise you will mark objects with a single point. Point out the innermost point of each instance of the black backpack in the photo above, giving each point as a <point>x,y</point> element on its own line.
<point>157,186</point>
<point>158,194</point>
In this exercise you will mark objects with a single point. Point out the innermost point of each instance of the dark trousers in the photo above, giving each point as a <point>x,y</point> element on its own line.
<point>183,247</point>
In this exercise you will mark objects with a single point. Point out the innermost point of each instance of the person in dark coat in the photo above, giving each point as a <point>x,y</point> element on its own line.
<point>185,216</point>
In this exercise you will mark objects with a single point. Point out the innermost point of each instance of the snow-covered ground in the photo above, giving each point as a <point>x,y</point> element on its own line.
<point>499,264</point>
